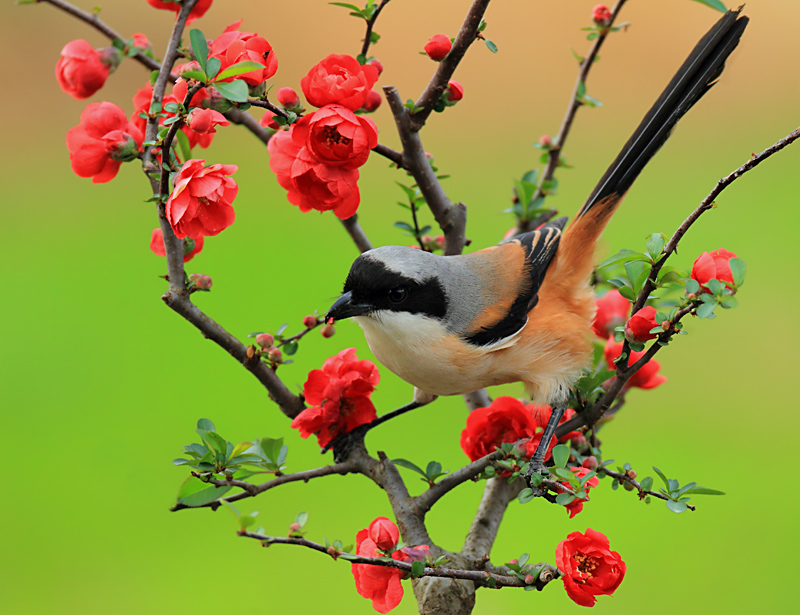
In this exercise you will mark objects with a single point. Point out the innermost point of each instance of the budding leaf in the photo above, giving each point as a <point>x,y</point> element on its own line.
<point>417,569</point>
<point>301,518</point>
<point>492,47</point>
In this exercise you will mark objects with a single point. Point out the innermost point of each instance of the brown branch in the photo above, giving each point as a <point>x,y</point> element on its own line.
<point>391,154</point>
<point>265,104</point>
<point>242,118</point>
<point>479,577</point>
<point>632,481</point>
<point>451,217</point>
<point>357,233</point>
<point>94,21</point>
<point>554,154</point>
<point>251,490</point>
<point>435,88</point>
<point>166,145</point>
<point>370,23</point>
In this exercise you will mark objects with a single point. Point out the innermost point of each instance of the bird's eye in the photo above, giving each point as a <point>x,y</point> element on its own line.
<point>398,295</point>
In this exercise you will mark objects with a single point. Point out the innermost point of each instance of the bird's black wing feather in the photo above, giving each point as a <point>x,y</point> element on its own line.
<point>540,247</point>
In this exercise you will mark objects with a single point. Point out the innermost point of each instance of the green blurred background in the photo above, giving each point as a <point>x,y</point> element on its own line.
<point>102,385</point>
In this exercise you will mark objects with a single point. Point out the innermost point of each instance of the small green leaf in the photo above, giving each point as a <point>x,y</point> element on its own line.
<point>704,491</point>
<point>647,483</point>
<point>624,255</point>
<point>206,425</point>
<point>706,310</point>
<point>525,496</point>
<point>692,286</point>
<point>434,467</point>
<point>561,455</point>
<point>352,7</point>
<point>240,68</point>
<point>676,507</point>
<point>199,47</point>
<point>492,47</point>
<point>301,518</point>
<point>581,90</point>
<point>655,244</point>
<point>562,499</point>
<point>417,569</point>
<point>714,4</point>
<point>627,292</point>
<point>235,90</point>
<point>662,476</point>
<point>212,68</point>
<point>738,270</point>
<point>291,347</point>
<point>194,74</point>
<point>405,463</point>
<point>194,492</point>
<point>405,226</point>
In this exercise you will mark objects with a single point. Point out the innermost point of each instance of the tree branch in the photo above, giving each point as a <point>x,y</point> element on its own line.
<point>251,490</point>
<point>370,23</point>
<point>632,481</point>
<point>358,235</point>
<point>554,154</point>
<point>479,577</point>
<point>435,88</point>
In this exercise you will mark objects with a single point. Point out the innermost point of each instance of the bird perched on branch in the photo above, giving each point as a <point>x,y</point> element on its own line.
<point>520,311</point>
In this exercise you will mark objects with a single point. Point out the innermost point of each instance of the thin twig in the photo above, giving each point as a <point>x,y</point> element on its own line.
<point>435,88</point>
<point>242,118</point>
<point>642,492</point>
<point>357,233</point>
<point>253,490</point>
<point>393,155</point>
<point>554,153</point>
<point>166,145</point>
<point>480,577</point>
<point>370,23</point>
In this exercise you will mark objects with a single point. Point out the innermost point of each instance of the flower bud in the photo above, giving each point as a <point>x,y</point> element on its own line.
<point>111,57</point>
<point>578,441</point>
<point>295,527</point>
<point>309,321</point>
<point>529,579</point>
<point>126,150</point>
<point>514,562</point>
<point>601,15</point>
<point>265,340</point>
<point>327,331</point>
<point>438,47</point>
<point>630,474</point>
<point>377,64</point>
<point>638,326</point>
<point>545,142</point>
<point>203,282</point>
<point>456,91</point>
<point>287,97</point>
<point>383,533</point>
<point>372,102</point>
<point>275,355</point>
<point>141,43</point>
<point>627,486</point>
<point>333,552</point>
<point>590,462</point>
<point>183,68</point>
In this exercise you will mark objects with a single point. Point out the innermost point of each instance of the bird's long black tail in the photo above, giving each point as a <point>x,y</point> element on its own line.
<point>694,78</point>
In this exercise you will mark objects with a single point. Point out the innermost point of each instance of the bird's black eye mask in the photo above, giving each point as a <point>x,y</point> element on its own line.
<point>372,283</point>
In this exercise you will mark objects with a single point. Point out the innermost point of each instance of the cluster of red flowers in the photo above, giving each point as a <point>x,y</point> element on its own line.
<point>381,584</point>
<point>317,159</point>
<point>339,397</point>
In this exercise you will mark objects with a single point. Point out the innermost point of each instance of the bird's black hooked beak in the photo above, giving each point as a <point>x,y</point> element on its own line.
<point>345,307</point>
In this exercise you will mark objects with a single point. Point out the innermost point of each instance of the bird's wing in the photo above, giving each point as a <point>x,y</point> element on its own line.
<point>507,315</point>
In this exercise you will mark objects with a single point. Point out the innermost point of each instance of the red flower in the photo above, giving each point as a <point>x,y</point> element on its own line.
<point>141,42</point>
<point>383,533</point>
<point>646,378</point>
<point>200,203</point>
<point>79,70</point>
<point>191,247</point>
<point>170,5</point>
<point>339,80</point>
<point>601,15</point>
<point>310,183</point>
<point>456,91</point>
<point>713,265</point>
<point>438,47</point>
<point>590,568</point>
<point>376,63</point>
<point>505,420</point>
<point>339,397</point>
<point>233,46</point>
<point>336,136</point>
<point>287,97</point>
<point>612,311</point>
<point>102,141</point>
<point>181,89</point>
<point>203,121</point>
<point>637,329</point>
<point>576,505</point>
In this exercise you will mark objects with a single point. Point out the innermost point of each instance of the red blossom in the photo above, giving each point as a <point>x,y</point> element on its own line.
<point>204,121</point>
<point>601,15</point>
<point>376,63</point>
<point>80,71</point>
<point>380,584</point>
<point>383,533</point>
<point>576,505</point>
<point>233,46</point>
<point>310,183</point>
<point>638,327</point>
<point>456,91</point>
<point>373,101</point>
<point>336,136</point>
<point>612,311</point>
<point>590,568</point>
<point>713,266</point>
<point>201,281</point>
<point>102,141</point>
<point>438,47</point>
<point>191,247</point>
<point>141,103</point>
<point>200,203</point>
<point>142,43</point>
<point>339,397</point>
<point>181,89</point>
<point>287,97</point>
<point>647,377</point>
<point>198,11</point>
<point>505,420</point>
<point>340,80</point>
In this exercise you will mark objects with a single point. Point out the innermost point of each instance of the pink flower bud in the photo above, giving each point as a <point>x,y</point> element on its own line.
<point>142,44</point>
<point>203,282</point>
<point>327,331</point>
<point>275,355</point>
<point>377,64</point>
<point>456,91</point>
<point>265,340</point>
<point>438,47</point>
<point>204,121</point>
<point>295,527</point>
<point>601,15</point>
<point>183,68</point>
<point>590,462</point>
<point>383,533</point>
<point>546,142</point>
<point>287,97</point>
<point>637,329</point>
<point>309,321</point>
<point>529,579</point>
<point>514,562</point>
<point>373,101</point>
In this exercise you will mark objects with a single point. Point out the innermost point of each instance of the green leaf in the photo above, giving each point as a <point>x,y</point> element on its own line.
<point>405,226</point>
<point>212,67</point>
<point>291,347</point>
<point>714,4</point>
<point>655,244</point>
<point>301,518</point>
<point>637,273</point>
<point>728,302</point>
<point>715,286</point>
<point>627,292</point>
<point>194,492</point>
<point>692,286</point>
<point>492,47</point>
<point>704,491</point>
<point>562,499</point>
<point>434,467</point>
<point>662,476</point>
<point>738,270</point>
<point>199,47</point>
<point>374,37</point>
<point>240,68</point>
<point>623,255</point>
<point>525,496</point>
<point>194,74</point>
<point>206,425</point>
<point>235,90</point>
<point>677,507</point>
<point>581,90</point>
<point>706,310</point>
<point>417,569</point>
<point>352,7</point>
<point>410,466</point>
<point>647,483</point>
<point>561,455</point>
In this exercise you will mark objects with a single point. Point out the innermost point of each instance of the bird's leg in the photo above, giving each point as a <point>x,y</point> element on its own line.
<point>341,444</point>
<point>537,461</point>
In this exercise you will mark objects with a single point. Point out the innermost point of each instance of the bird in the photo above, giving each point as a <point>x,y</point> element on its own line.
<point>520,311</point>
